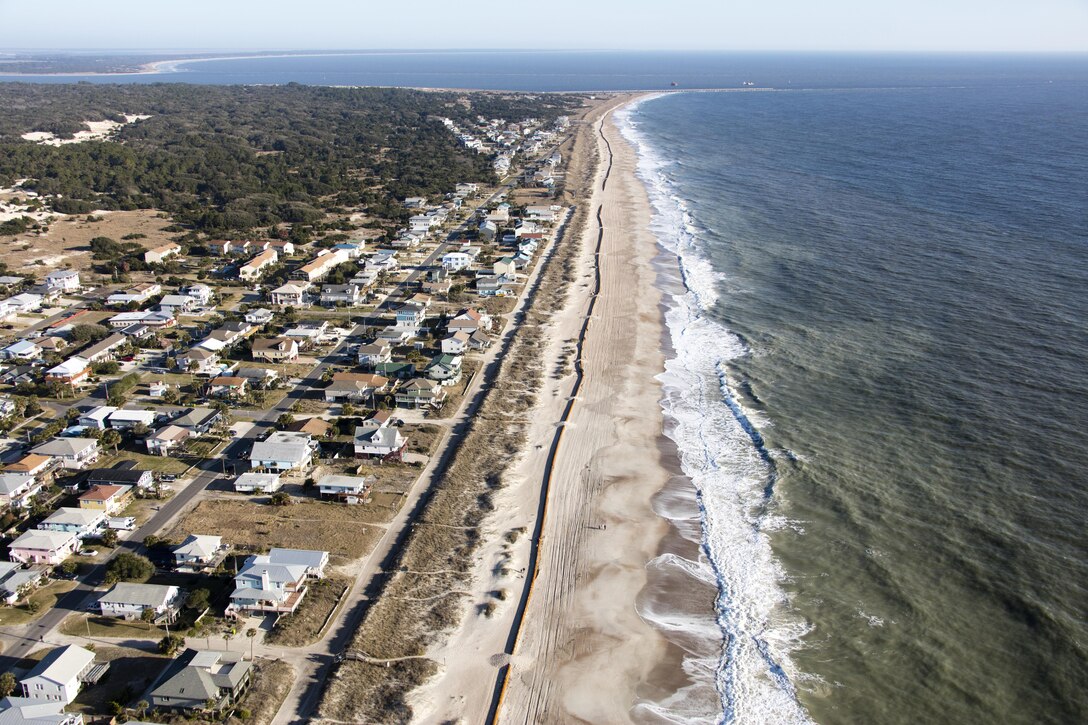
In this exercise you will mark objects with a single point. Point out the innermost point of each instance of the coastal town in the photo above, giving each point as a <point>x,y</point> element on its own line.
<point>211,447</point>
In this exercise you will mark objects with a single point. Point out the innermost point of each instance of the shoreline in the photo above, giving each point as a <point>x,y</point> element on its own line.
<point>585,648</point>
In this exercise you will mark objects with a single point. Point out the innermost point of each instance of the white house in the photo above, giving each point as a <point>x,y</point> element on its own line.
<point>124,419</point>
<point>57,677</point>
<point>456,343</point>
<point>72,453</point>
<point>283,451</point>
<point>83,523</point>
<point>199,551</point>
<point>20,710</point>
<point>291,294</point>
<point>255,267</point>
<point>259,316</point>
<point>70,372</point>
<point>62,280</point>
<point>129,600</point>
<point>138,293</point>
<point>349,489</point>
<point>177,304</point>
<point>275,582</point>
<point>202,293</point>
<point>21,350</point>
<point>43,547</point>
<point>251,482</point>
<point>456,261</point>
<point>159,254</point>
<point>17,490</point>
<point>166,440</point>
<point>375,438</point>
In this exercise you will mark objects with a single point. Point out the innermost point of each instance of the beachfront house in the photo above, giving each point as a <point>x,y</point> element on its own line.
<point>252,482</point>
<point>347,489</point>
<point>70,372</point>
<point>376,438</point>
<point>445,368</point>
<point>199,681</point>
<point>276,582</point>
<point>420,393</point>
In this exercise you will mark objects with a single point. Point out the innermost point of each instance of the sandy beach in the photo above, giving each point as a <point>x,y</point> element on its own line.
<point>584,653</point>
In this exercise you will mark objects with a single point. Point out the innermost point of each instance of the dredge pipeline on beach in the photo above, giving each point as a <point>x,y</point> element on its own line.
<point>503,679</point>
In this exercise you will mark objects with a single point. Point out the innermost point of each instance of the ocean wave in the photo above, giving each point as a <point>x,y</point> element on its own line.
<point>723,453</point>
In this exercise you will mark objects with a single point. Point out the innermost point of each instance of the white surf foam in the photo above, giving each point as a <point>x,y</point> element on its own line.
<point>720,450</point>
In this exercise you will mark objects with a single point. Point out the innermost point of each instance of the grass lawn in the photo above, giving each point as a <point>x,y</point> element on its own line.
<point>162,464</point>
<point>131,671</point>
<point>92,625</point>
<point>45,597</point>
<point>422,438</point>
<point>342,530</point>
<point>304,626</point>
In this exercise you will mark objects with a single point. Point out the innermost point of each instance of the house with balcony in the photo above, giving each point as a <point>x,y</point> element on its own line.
<point>59,675</point>
<point>346,489</point>
<point>292,294</point>
<point>420,393</point>
<point>276,582</point>
<point>129,600</point>
<point>106,497</point>
<point>199,361</point>
<point>160,254</point>
<point>138,293</point>
<point>203,680</point>
<point>105,350</point>
<point>333,295</point>
<point>200,292</point>
<point>259,317</point>
<point>283,451</point>
<point>84,523</point>
<point>36,546</point>
<point>374,353</point>
<point>71,453</point>
<point>177,304</point>
<point>199,551</point>
<point>72,371</point>
<point>148,318</point>
<point>198,420</point>
<point>21,350</point>
<point>17,491</point>
<point>355,387</point>
<point>275,349</point>
<point>375,438</point>
<point>257,266</point>
<point>228,386</point>
<point>167,441</point>
<point>445,368</point>
<point>62,280</point>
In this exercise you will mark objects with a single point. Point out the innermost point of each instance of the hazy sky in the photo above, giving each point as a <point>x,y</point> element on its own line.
<point>911,25</point>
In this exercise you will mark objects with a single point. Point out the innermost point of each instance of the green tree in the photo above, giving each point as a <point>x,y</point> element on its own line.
<point>127,566</point>
<point>7,684</point>
<point>198,600</point>
<point>280,498</point>
<point>111,439</point>
<point>109,538</point>
<point>148,616</point>
<point>251,634</point>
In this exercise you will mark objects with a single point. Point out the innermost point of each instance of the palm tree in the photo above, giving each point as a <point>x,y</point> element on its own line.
<point>226,640</point>
<point>112,439</point>
<point>251,633</point>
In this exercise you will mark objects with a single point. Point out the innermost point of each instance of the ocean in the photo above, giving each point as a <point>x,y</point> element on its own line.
<point>878,385</point>
<point>877,381</point>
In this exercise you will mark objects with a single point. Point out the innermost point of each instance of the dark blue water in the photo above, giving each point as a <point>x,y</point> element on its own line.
<point>891,288</point>
<point>590,71</point>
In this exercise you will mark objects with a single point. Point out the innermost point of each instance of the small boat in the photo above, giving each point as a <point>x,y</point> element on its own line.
<point>673,84</point>
<point>748,83</point>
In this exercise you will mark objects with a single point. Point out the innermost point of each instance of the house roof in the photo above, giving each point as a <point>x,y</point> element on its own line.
<point>114,340</point>
<point>252,478</point>
<point>43,540</point>
<point>29,711</point>
<point>279,449</point>
<point>26,464</point>
<point>65,446</point>
<point>199,353</point>
<point>74,517</point>
<point>354,483</point>
<point>200,545</point>
<point>104,492</point>
<point>146,595</point>
<point>274,343</point>
<point>63,664</point>
<point>71,366</point>
<point>230,381</point>
<point>171,433</point>
<point>196,417</point>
